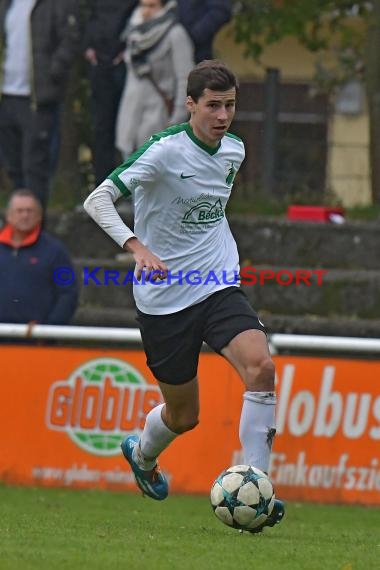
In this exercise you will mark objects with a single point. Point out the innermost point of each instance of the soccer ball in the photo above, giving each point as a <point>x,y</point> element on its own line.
<point>242,497</point>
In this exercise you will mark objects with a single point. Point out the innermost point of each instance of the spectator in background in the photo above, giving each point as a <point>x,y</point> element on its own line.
<point>28,259</point>
<point>38,41</point>
<point>202,19</point>
<point>159,57</point>
<point>104,52</point>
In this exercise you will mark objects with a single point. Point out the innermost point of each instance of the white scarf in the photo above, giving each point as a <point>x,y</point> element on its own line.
<point>144,36</point>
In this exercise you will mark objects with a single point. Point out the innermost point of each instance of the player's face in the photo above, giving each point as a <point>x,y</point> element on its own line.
<point>212,115</point>
<point>24,213</point>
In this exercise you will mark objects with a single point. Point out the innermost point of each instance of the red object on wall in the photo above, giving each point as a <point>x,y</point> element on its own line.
<point>314,213</point>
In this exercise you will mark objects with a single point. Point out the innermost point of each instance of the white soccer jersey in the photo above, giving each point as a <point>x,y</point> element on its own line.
<point>181,187</point>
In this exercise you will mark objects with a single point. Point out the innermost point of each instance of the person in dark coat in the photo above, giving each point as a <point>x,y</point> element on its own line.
<point>104,52</point>
<point>37,283</point>
<point>202,19</point>
<point>38,42</point>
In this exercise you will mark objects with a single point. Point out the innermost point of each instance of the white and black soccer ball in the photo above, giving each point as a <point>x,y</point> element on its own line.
<point>242,497</point>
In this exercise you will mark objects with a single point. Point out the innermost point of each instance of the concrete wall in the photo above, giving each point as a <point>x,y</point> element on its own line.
<point>347,302</point>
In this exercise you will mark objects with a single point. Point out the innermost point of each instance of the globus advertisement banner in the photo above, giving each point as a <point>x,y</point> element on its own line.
<point>64,412</point>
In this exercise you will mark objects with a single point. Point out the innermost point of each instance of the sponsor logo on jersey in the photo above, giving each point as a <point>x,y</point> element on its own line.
<point>204,213</point>
<point>100,403</point>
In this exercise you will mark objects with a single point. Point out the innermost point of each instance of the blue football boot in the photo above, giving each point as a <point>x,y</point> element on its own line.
<point>152,483</point>
<point>276,516</point>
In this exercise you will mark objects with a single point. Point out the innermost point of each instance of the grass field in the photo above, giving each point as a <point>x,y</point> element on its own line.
<point>65,529</point>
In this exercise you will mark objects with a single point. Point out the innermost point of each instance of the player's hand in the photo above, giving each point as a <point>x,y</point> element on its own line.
<point>146,261</point>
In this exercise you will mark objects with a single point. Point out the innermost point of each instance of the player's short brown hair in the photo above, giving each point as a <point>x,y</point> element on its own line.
<point>210,74</point>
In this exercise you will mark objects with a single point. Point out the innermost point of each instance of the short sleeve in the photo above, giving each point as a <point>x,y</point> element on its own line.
<point>142,169</point>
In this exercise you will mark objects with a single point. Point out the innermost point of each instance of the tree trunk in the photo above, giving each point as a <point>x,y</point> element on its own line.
<point>67,184</point>
<point>373,96</point>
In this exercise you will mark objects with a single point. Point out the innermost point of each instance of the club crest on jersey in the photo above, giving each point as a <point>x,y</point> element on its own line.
<point>230,173</point>
<point>204,213</point>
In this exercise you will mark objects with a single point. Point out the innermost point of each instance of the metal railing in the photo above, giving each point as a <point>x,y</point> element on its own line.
<point>277,342</point>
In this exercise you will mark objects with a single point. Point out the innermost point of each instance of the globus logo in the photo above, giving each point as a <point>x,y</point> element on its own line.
<point>100,403</point>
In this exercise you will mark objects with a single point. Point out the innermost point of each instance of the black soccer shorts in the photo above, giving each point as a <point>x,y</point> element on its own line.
<point>173,342</point>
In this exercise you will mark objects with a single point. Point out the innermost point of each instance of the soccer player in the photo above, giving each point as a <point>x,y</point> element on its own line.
<point>181,180</point>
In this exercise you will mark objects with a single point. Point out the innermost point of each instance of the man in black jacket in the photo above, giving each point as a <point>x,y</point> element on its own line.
<point>202,20</point>
<point>38,42</point>
<point>104,53</point>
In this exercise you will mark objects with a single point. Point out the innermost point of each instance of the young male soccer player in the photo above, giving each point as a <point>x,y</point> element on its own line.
<point>181,180</point>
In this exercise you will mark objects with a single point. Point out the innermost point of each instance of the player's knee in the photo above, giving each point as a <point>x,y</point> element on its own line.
<point>260,374</point>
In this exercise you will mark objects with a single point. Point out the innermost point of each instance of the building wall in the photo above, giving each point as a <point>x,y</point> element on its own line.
<point>295,62</point>
<point>348,172</point>
<point>348,159</point>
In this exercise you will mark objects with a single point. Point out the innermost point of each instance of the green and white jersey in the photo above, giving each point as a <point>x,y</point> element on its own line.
<point>181,187</point>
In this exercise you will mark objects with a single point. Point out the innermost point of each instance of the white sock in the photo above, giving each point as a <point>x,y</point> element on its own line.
<point>257,428</point>
<point>155,437</point>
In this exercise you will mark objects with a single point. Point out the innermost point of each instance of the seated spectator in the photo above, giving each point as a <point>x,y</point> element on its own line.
<point>159,57</point>
<point>202,19</point>
<point>28,260</point>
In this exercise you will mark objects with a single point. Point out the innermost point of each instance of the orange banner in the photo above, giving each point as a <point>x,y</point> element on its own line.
<point>64,412</point>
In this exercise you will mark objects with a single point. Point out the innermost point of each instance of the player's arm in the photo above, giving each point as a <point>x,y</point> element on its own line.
<point>100,205</point>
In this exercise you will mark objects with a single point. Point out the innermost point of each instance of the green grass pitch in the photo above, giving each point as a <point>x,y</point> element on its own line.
<point>59,529</point>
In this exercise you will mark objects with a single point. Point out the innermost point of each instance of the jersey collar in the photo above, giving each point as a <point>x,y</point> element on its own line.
<point>209,149</point>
